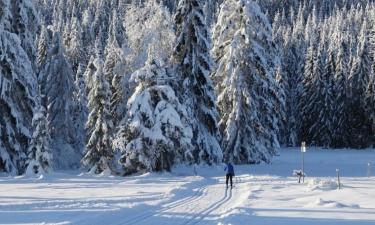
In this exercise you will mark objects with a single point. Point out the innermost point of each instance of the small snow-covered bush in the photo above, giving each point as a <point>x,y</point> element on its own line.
<point>319,184</point>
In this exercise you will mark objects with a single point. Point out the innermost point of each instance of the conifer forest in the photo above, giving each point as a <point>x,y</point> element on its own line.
<point>127,86</point>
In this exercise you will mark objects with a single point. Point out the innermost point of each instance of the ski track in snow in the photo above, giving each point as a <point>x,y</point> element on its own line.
<point>198,200</point>
<point>150,213</point>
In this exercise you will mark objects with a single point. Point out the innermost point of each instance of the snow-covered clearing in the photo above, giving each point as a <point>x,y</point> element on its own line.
<point>263,194</point>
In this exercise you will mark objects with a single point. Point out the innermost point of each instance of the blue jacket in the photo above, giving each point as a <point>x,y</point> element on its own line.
<point>229,168</point>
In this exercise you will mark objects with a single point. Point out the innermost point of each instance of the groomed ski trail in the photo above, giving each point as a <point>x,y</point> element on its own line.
<point>206,206</point>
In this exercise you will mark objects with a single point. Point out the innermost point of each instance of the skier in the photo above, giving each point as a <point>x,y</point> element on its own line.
<point>230,174</point>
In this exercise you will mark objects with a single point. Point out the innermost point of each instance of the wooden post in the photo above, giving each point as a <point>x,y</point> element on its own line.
<point>338,178</point>
<point>303,150</point>
<point>369,170</point>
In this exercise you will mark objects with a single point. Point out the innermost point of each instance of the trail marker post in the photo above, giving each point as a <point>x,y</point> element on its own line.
<point>303,150</point>
<point>369,170</point>
<point>338,178</point>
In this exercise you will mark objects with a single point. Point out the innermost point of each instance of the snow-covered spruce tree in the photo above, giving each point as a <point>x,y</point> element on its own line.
<point>148,25</point>
<point>293,82</point>
<point>39,153</point>
<point>340,116</point>
<point>116,29</point>
<point>44,42</point>
<point>89,74</point>
<point>57,88</point>
<point>25,23</point>
<point>358,81</point>
<point>306,103</point>
<point>155,134</point>
<point>370,106</point>
<point>193,63</point>
<point>87,27</point>
<point>321,105</point>
<point>102,19</point>
<point>281,105</point>
<point>99,154</point>
<point>370,92</point>
<point>18,84</point>
<point>115,68</point>
<point>112,57</point>
<point>245,82</point>
<point>80,109</point>
<point>325,128</point>
<point>75,48</point>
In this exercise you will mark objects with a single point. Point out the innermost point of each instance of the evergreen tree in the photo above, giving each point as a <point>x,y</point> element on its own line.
<point>39,152</point>
<point>370,107</point>
<point>148,26</point>
<point>43,47</point>
<point>57,86</point>
<point>194,65</point>
<point>25,24</point>
<point>155,134</point>
<point>246,84</point>
<point>75,49</point>
<point>281,104</point>
<point>18,83</point>
<point>340,117</point>
<point>306,106</point>
<point>325,130</point>
<point>80,109</point>
<point>98,154</point>
<point>358,81</point>
<point>320,130</point>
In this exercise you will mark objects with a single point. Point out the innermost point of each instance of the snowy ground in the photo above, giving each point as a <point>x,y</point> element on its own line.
<point>263,195</point>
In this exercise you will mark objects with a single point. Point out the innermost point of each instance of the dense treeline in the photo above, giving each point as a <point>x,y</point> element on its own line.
<point>328,54</point>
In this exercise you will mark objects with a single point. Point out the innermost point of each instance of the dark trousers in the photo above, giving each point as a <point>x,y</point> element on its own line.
<point>229,176</point>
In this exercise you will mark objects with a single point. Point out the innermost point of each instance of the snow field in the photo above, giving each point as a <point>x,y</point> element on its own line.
<point>263,195</point>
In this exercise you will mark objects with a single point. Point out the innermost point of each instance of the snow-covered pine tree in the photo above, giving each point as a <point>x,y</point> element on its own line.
<point>306,103</point>
<point>80,109</point>
<point>340,116</point>
<point>370,107</point>
<point>148,25</point>
<point>281,105</point>
<point>18,83</point>
<point>155,134</point>
<point>325,130</point>
<point>25,23</point>
<point>98,154</point>
<point>193,63</point>
<point>75,49</point>
<point>358,81</point>
<point>321,105</point>
<point>57,88</point>
<point>116,29</point>
<point>44,42</point>
<point>89,74</point>
<point>370,92</point>
<point>112,53</point>
<point>39,152</point>
<point>102,19</point>
<point>87,27</point>
<point>245,82</point>
<point>115,69</point>
<point>293,92</point>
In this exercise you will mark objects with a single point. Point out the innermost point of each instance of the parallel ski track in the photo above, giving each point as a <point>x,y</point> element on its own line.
<point>150,213</point>
<point>203,214</point>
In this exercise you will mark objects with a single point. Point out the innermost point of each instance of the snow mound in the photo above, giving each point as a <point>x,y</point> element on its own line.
<point>319,184</point>
<point>330,204</point>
